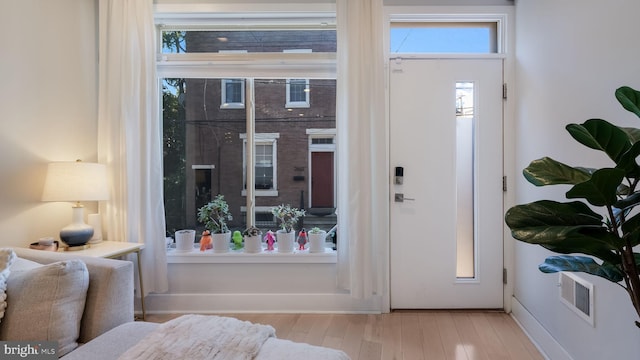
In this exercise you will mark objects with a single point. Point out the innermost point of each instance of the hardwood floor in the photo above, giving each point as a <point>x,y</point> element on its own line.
<point>407,335</point>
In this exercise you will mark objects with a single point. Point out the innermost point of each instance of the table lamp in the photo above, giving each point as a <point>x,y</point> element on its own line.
<point>76,181</point>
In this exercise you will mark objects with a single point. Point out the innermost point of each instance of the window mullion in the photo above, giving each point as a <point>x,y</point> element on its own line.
<point>250,151</point>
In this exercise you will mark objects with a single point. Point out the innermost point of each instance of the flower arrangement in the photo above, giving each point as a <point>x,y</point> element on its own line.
<point>287,216</point>
<point>215,215</point>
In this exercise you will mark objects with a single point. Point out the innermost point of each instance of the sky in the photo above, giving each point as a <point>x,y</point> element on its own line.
<point>439,40</point>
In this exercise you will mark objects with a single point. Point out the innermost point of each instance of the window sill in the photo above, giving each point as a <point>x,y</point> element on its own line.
<point>196,256</point>
<point>262,192</point>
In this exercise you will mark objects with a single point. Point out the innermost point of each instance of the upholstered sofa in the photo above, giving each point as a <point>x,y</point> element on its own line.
<point>104,328</point>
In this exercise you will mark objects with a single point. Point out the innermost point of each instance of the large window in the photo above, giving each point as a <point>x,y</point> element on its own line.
<point>221,86</point>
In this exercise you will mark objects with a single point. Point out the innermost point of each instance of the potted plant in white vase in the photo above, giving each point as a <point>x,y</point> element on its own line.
<point>214,216</point>
<point>317,238</point>
<point>252,240</point>
<point>287,218</point>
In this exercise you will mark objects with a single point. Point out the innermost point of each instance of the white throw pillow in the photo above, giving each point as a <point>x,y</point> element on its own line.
<point>46,303</point>
<point>20,264</point>
<point>7,257</point>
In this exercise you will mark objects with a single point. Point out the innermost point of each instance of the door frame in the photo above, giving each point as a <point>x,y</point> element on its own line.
<point>314,134</point>
<point>506,41</point>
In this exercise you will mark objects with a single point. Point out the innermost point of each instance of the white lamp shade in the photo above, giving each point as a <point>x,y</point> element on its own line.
<point>76,181</point>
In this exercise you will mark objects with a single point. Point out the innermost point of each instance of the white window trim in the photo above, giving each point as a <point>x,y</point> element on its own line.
<point>321,134</point>
<point>223,85</point>
<point>223,96</point>
<point>262,138</point>
<point>418,14</point>
<point>262,65</point>
<point>297,104</point>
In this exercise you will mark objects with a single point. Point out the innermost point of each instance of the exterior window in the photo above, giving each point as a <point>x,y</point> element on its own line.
<point>217,87</point>
<point>298,90</point>
<point>265,168</point>
<point>298,93</point>
<point>232,94</point>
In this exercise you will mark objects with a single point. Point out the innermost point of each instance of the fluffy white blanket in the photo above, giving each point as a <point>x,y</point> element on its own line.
<point>202,337</point>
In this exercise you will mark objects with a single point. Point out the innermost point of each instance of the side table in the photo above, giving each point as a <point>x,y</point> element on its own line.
<point>115,249</point>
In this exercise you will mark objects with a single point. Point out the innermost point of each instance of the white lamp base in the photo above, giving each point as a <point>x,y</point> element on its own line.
<point>77,233</point>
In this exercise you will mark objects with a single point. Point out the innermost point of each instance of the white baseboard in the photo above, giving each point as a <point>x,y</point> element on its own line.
<point>259,303</point>
<point>540,337</point>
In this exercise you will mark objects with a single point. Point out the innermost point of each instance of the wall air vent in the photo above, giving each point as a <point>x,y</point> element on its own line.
<point>577,294</point>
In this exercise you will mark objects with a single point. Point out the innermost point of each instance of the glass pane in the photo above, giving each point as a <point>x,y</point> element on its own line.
<point>465,180</point>
<point>205,129</point>
<point>298,90</point>
<point>233,92</point>
<point>264,167</point>
<point>474,38</point>
<point>202,151</point>
<point>174,151</point>
<point>198,41</point>
<point>289,126</point>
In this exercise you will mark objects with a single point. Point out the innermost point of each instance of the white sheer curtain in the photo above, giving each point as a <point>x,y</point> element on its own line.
<point>129,133</point>
<point>363,202</point>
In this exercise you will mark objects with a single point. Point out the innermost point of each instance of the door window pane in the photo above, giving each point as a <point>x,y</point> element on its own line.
<point>465,174</point>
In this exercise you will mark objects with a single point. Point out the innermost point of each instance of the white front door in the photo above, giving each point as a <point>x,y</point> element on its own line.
<point>446,215</point>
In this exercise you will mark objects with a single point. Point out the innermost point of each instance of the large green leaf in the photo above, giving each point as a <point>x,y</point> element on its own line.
<point>629,99</point>
<point>601,135</point>
<point>581,264</point>
<point>549,212</point>
<point>600,189</point>
<point>563,227</point>
<point>547,171</point>
<point>591,241</point>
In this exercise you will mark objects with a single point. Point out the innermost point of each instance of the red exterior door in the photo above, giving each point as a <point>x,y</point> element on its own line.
<point>322,180</point>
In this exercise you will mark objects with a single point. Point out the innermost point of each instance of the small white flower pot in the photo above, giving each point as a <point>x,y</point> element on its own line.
<point>185,240</point>
<point>221,242</point>
<point>285,241</point>
<point>253,244</point>
<point>317,242</point>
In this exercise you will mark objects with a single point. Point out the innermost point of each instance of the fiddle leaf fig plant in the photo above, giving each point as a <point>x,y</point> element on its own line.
<point>598,243</point>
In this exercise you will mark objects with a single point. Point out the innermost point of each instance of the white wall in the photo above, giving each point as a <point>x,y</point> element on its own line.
<point>48,102</point>
<point>571,56</point>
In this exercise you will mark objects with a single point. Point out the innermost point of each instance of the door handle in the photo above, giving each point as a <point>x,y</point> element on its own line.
<point>399,197</point>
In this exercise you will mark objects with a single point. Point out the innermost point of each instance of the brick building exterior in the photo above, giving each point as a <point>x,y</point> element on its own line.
<point>215,133</point>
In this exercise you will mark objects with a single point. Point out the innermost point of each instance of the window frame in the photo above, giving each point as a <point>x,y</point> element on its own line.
<point>399,15</point>
<point>223,94</point>
<point>248,66</point>
<point>307,92</point>
<point>223,86</point>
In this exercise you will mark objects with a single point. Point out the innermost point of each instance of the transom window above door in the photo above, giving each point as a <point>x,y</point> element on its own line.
<point>443,37</point>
